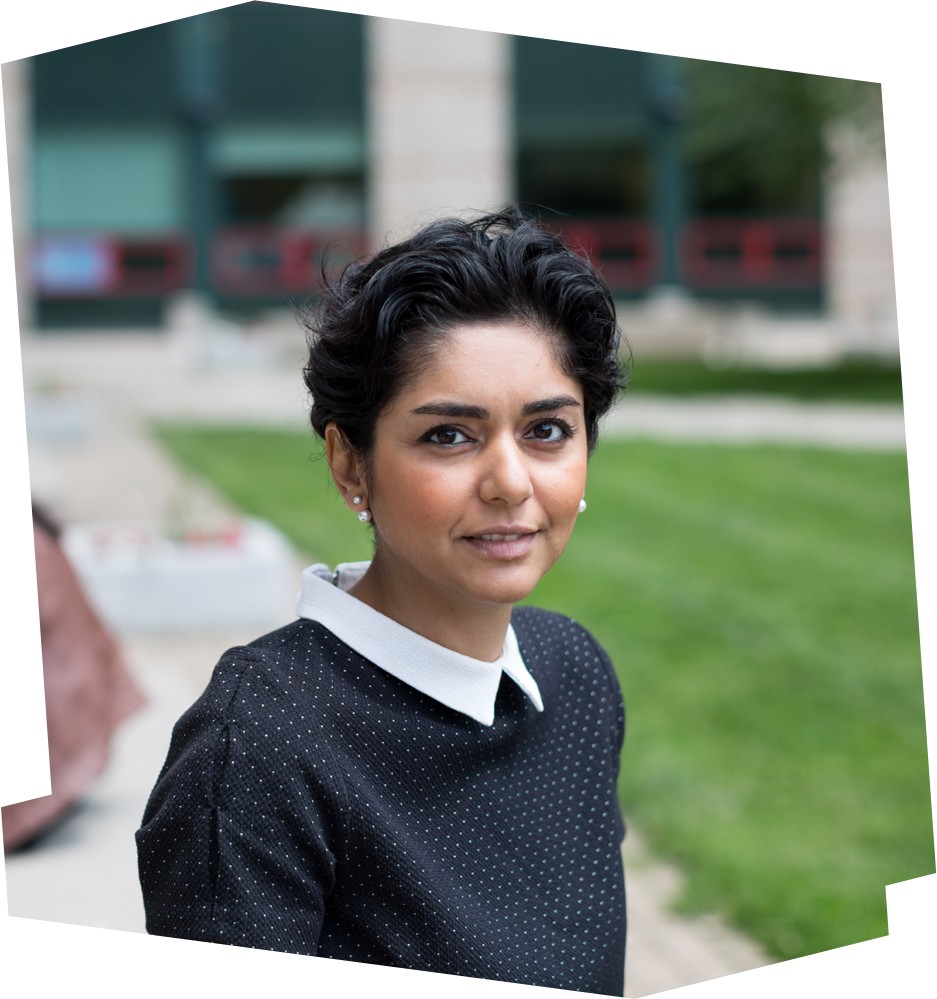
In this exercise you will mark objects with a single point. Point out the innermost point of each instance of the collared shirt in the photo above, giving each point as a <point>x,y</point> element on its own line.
<point>313,803</point>
<point>460,682</point>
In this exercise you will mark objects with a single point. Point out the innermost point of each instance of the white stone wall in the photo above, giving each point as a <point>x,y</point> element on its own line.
<point>440,129</point>
<point>860,275</point>
<point>16,114</point>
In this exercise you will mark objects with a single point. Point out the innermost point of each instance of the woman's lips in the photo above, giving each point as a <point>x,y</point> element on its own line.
<point>503,546</point>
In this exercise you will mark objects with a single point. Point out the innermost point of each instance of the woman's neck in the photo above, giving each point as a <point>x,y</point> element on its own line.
<point>436,612</point>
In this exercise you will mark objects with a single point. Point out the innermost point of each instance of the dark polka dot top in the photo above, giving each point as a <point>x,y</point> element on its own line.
<point>313,803</point>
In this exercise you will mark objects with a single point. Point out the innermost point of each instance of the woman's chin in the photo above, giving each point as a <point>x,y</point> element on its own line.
<point>505,584</point>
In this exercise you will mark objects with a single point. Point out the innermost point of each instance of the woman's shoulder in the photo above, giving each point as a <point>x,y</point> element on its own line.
<point>283,663</point>
<point>264,714</point>
<point>271,689</point>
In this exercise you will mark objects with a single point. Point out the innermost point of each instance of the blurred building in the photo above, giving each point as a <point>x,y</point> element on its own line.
<point>234,151</point>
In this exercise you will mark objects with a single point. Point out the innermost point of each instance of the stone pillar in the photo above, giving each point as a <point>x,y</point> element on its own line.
<point>440,123</point>
<point>668,167</point>
<point>860,277</point>
<point>16,115</point>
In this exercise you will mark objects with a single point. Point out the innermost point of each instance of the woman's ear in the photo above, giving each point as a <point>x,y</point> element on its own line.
<point>344,468</point>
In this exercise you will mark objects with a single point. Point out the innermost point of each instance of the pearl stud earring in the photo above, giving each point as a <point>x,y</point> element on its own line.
<point>582,505</point>
<point>356,500</point>
<point>364,516</point>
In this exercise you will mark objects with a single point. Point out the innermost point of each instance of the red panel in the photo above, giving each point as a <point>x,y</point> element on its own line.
<point>152,268</point>
<point>625,251</point>
<point>717,254</point>
<point>752,254</point>
<point>259,261</point>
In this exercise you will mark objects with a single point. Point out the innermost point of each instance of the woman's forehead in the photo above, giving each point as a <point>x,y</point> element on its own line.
<point>494,360</point>
<point>510,333</point>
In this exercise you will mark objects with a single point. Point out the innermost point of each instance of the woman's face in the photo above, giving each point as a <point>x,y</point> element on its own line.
<point>479,465</point>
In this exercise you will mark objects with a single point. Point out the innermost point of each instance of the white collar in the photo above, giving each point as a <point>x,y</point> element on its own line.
<point>460,682</point>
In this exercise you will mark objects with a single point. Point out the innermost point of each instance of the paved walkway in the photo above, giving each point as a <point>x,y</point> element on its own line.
<point>91,459</point>
<point>753,419</point>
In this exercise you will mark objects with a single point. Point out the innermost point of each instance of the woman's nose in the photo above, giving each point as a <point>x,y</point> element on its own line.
<point>506,478</point>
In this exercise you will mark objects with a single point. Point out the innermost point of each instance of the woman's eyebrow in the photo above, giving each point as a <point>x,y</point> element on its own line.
<point>467,412</point>
<point>557,402</point>
<point>454,409</point>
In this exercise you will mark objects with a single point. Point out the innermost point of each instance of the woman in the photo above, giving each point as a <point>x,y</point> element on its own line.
<point>416,772</point>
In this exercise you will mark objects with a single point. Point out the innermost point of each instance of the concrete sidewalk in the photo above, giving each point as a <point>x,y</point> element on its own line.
<point>92,459</point>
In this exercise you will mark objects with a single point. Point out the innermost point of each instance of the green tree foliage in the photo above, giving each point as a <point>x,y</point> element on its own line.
<point>758,140</point>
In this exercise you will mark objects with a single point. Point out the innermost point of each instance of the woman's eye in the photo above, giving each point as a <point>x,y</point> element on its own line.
<point>549,430</point>
<point>447,436</point>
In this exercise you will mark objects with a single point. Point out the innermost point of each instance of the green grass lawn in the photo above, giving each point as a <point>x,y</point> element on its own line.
<point>853,382</point>
<point>759,606</point>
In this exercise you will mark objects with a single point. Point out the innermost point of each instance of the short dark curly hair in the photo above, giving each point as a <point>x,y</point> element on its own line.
<point>377,325</point>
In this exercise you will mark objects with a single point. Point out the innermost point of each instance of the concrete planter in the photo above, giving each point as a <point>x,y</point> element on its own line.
<point>141,582</point>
